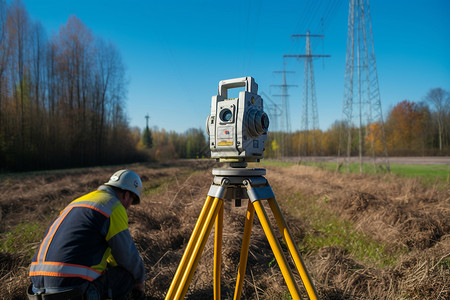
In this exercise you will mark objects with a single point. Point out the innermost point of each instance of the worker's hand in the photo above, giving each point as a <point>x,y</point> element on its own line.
<point>138,292</point>
<point>139,286</point>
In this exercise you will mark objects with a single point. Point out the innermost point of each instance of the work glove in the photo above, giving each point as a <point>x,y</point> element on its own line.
<point>137,294</point>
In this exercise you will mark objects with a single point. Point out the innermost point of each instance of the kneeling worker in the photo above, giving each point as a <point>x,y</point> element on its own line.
<point>88,252</point>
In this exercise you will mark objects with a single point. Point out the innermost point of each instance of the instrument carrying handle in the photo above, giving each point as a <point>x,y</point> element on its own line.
<point>248,82</point>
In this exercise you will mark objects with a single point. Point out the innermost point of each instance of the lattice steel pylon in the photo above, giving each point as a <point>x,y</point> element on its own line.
<point>274,111</point>
<point>310,115</point>
<point>286,121</point>
<point>285,115</point>
<point>363,91</point>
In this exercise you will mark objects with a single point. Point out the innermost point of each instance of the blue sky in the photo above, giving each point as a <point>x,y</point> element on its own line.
<point>176,52</point>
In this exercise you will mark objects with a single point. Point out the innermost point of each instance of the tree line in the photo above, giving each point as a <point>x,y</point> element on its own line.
<point>411,129</point>
<point>419,129</point>
<point>61,97</point>
<point>162,145</point>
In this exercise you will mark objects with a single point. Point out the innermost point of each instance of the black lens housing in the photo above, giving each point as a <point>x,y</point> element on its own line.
<point>257,122</point>
<point>226,115</point>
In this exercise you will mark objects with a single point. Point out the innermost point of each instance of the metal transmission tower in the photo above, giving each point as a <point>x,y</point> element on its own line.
<point>362,91</point>
<point>275,112</point>
<point>285,118</point>
<point>309,126</point>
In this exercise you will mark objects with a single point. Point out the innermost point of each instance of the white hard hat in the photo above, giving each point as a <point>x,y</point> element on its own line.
<point>127,180</point>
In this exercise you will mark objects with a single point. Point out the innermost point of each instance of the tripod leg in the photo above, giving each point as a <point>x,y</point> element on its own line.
<point>218,252</point>
<point>293,249</point>
<point>190,247</point>
<point>198,249</point>
<point>276,249</point>
<point>244,250</point>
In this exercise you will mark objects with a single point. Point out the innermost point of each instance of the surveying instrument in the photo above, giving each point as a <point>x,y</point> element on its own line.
<point>238,129</point>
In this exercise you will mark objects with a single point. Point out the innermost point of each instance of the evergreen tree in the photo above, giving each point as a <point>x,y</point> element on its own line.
<point>147,139</point>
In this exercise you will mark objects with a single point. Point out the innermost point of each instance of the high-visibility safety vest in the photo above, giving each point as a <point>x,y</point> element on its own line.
<point>89,233</point>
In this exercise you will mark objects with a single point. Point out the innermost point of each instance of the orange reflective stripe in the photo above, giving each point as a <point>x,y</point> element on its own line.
<point>92,207</point>
<point>51,232</point>
<point>42,273</point>
<point>54,228</point>
<point>103,205</point>
<point>57,269</point>
<point>54,263</point>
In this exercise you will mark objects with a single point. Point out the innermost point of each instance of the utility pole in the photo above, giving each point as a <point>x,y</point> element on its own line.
<point>309,99</point>
<point>146,118</point>
<point>362,91</point>
<point>285,117</point>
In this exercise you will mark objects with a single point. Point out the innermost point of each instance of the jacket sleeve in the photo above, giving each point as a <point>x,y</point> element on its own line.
<point>122,245</point>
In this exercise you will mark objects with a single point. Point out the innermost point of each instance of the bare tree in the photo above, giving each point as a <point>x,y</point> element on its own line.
<point>18,25</point>
<point>440,99</point>
<point>108,79</point>
<point>36,91</point>
<point>74,52</point>
<point>38,49</point>
<point>4,54</point>
<point>62,100</point>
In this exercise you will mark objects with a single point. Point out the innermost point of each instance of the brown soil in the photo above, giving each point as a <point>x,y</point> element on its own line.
<point>399,213</point>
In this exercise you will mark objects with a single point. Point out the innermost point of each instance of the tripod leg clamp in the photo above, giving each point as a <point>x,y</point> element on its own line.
<point>259,193</point>
<point>217,191</point>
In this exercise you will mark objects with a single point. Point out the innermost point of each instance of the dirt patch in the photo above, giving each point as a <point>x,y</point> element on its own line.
<point>401,214</point>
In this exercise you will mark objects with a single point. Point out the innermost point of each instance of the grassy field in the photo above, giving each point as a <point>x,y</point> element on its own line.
<point>362,236</point>
<point>429,174</point>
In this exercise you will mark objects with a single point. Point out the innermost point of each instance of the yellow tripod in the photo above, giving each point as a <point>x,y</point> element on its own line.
<point>238,183</point>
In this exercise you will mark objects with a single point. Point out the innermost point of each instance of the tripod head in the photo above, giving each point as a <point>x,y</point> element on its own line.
<point>236,178</point>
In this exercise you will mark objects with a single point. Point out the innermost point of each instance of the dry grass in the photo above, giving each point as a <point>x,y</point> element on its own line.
<point>409,219</point>
<point>401,215</point>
